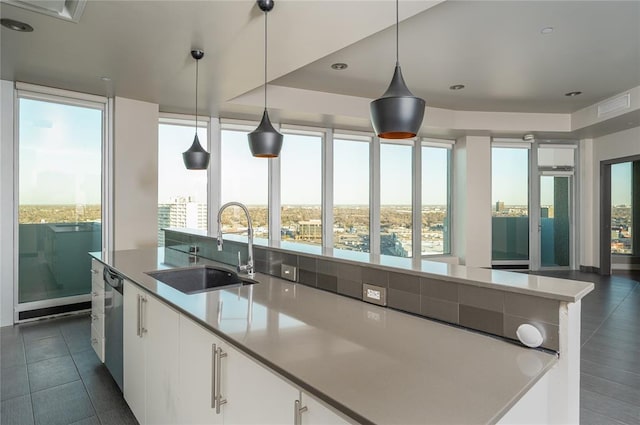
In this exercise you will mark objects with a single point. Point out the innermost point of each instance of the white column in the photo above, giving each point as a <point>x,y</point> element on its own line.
<point>135,174</point>
<point>327,190</point>
<point>472,200</point>
<point>7,204</point>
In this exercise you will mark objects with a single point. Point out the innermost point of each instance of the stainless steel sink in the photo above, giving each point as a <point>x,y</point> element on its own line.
<point>192,280</point>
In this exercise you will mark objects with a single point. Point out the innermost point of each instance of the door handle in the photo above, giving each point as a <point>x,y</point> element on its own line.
<point>138,327</point>
<point>218,355</point>
<point>298,410</point>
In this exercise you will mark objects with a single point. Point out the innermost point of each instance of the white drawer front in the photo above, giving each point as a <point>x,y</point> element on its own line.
<point>97,342</point>
<point>97,300</point>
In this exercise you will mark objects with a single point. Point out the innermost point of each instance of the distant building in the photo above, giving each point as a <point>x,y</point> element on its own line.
<point>546,212</point>
<point>183,213</point>
<point>309,230</point>
<point>499,206</point>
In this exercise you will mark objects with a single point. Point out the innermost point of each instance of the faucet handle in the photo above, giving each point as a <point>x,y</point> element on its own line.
<point>241,267</point>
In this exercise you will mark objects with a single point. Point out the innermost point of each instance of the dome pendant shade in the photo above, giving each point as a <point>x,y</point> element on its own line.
<point>196,158</point>
<point>398,114</point>
<point>265,141</point>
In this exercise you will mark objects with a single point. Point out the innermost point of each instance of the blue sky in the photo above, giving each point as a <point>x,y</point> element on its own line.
<point>621,183</point>
<point>60,160</point>
<point>60,153</point>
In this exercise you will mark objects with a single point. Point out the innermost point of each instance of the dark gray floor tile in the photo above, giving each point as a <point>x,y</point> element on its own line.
<point>93,420</point>
<point>39,330</point>
<point>47,348</point>
<point>589,417</point>
<point>87,362</point>
<point>609,407</point>
<point>118,417</point>
<point>104,392</point>
<point>52,372</point>
<point>17,411</point>
<point>12,353</point>
<point>79,339</point>
<point>611,373</point>
<point>613,357</point>
<point>606,342</point>
<point>609,388</point>
<point>14,382</point>
<point>63,404</point>
<point>10,332</point>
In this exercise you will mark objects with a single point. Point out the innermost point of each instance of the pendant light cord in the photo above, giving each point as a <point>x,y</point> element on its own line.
<point>265,60</point>
<point>197,60</point>
<point>397,36</point>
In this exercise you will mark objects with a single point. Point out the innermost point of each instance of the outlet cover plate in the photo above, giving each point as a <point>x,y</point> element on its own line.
<point>374,294</point>
<point>289,272</point>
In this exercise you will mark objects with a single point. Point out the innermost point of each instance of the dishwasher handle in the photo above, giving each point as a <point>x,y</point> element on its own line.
<point>112,278</point>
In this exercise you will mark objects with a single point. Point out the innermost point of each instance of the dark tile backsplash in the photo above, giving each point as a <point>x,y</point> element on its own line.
<point>483,309</point>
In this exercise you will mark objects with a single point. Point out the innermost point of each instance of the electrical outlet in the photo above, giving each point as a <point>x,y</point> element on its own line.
<point>374,294</point>
<point>289,272</point>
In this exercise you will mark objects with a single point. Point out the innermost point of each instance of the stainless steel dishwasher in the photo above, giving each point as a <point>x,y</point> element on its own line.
<point>113,309</point>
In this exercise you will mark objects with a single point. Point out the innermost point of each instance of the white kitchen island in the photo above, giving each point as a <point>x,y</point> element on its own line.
<point>280,347</point>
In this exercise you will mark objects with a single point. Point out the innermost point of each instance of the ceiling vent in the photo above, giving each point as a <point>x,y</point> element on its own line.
<point>614,105</point>
<point>69,10</point>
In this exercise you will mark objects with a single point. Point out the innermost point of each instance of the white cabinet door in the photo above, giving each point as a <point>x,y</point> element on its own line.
<point>160,323</point>
<point>196,380</point>
<point>254,394</point>
<point>97,308</point>
<point>317,413</point>
<point>133,352</point>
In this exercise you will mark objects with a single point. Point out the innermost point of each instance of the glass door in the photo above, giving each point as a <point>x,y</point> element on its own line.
<point>59,213</point>
<point>556,220</point>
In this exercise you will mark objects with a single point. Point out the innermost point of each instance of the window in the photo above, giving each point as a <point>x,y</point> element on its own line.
<point>301,188</point>
<point>510,198</point>
<point>244,179</point>
<point>435,200</point>
<point>395,199</point>
<point>59,197</point>
<point>351,194</point>
<point>182,193</point>
<point>622,208</point>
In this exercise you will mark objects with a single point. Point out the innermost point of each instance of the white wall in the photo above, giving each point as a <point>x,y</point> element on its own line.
<point>612,146</point>
<point>135,187</point>
<point>472,201</point>
<point>6,202</point>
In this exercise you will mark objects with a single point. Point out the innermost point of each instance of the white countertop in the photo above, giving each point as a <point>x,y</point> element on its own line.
<point>375,364</point>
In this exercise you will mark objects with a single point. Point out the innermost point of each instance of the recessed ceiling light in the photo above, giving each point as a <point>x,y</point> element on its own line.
<point>16,25</point>
<point>339,66</point>
<point>546,30</point>
<point>573,93</point>
<point>456,87</point>
<point>105,78</point>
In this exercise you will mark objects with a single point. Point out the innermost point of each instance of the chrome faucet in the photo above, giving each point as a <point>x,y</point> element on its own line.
<point>241,267</point>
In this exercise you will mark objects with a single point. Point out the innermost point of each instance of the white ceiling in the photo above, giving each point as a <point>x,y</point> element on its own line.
<point>494,48</point>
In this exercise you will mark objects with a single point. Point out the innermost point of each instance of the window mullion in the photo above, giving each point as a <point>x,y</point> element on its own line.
<point>327,189</point>
<point>374,196</point>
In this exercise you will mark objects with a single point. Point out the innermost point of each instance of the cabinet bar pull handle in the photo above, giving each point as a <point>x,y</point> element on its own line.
<point>214,358</point>
<point>138,332</point>
<point>94,271</point>
<point>143,329</point>
<point>297,412</point>
<point>219,400</point>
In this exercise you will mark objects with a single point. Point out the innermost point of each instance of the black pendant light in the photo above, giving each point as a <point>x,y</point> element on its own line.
<point>196,158</point>
<point>265,141</point>
<point>398,113</point>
